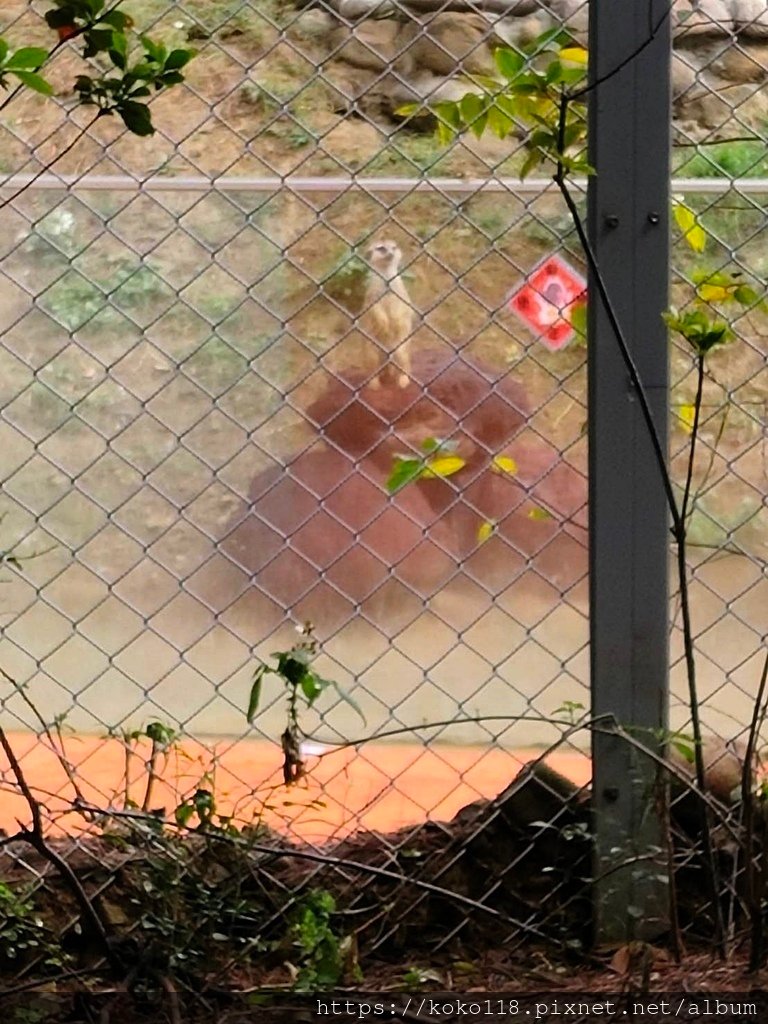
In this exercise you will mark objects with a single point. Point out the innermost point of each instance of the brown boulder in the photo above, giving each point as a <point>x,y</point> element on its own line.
<point>323,538</point>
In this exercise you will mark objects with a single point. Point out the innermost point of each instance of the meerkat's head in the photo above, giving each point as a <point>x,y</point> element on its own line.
<point>385,258</point>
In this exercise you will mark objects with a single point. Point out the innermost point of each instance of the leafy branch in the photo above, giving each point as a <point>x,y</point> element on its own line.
<point>524,98</point>
<point>439,459</point>
<point>123,90</point>
<point>294,667</point>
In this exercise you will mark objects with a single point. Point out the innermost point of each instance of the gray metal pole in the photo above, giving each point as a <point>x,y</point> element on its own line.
<point>628,224</point>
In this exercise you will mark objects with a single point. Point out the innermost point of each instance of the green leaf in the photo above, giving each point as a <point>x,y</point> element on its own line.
<point>430,444</point>
<point>169,78</point>
<point>346,698</point>
<point>97,41</point>
<point>403,472</point>
<point>471,107</point>
<point>64,17</point>
<point>554,72</point>
<point>154,51</point>
<point>486,82</point>
<point>500,124</point>
<point>147,72</point>
<point>746,296</point>
<point>3,50</point>
<point>479,124</point>
<point>255,695</point>
<point>575,132</point>
<point>183,814</point>
<point>160,734</point>
<point>292,665</point>
<point>579,318</point>
<point>572,76</point>
<point>136,118</point>
<point>204,803</point>
<point>34,82</point>
<point>27,58</point>
<point>177,59</point>
<point>448,117</point>
<point>509,62</point>
<point>532,161</point>
<point>547,39</point>
<point>116,20</point>
<point>311,686</point>
<point>118,59</point>
<point>685,746</point>
<point>120,43</point>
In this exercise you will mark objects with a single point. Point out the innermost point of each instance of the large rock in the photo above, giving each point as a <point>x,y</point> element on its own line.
<point>323,538</point>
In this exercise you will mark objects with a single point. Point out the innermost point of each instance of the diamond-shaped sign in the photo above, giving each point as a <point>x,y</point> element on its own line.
<point>546,300</point>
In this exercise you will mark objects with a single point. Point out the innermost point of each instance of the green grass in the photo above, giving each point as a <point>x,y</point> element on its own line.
<point>744,159</point>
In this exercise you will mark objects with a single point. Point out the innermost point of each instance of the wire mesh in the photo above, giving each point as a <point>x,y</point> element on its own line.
<point>197,432</point>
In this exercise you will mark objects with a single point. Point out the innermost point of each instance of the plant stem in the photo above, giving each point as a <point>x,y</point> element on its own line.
<point>753,898</point>
<point>694,435</point>
<point>35,837</point>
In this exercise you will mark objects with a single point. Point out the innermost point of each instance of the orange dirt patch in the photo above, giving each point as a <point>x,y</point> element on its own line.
<point>379,787</point>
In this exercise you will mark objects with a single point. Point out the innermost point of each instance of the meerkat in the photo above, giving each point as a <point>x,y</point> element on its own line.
<point>388,314</point>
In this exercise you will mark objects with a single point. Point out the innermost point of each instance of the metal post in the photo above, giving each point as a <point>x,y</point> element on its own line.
<point>628,222</point>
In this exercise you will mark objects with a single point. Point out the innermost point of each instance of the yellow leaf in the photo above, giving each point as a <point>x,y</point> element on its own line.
<point>504,464</point>
<point>444,465</point>
<point>574,55</point>
<point>484,531</point>
<point>713,292</point>
<point>687,415</point>
<point>539,514</point>
<point>693,232</point>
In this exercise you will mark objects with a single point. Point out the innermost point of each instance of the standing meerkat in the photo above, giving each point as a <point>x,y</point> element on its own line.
<point>388,314</point>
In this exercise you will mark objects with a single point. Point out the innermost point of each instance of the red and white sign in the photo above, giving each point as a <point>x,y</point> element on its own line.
<point>546,300</point>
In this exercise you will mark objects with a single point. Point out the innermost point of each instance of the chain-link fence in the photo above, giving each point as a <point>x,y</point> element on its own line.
<point>203,416</point>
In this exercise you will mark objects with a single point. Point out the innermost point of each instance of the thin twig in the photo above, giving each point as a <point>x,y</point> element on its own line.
<point>694,435</point>
<point>753,899</point>
<point>47,167</point>
<point>36,839</point>
<point>653,30</point>
<point>173,1000</point>
<point>57,748</point>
